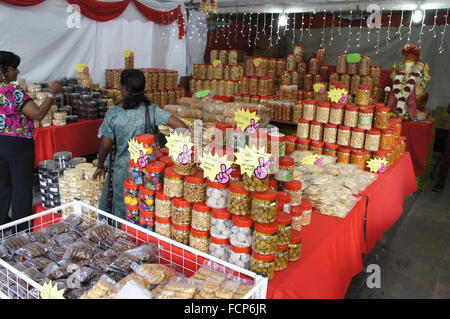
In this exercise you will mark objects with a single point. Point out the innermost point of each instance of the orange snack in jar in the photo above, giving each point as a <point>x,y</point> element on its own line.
<point>303,144</point>
<point>344,154</point>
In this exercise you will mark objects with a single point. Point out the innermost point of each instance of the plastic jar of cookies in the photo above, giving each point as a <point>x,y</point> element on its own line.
<point>351,116</point>
<point>181,233</point>
<point>306,207</point>
<point>147,220</point>
<point>243,84</point>
<point>314,66</point>
<point>358,138</point>
<point>239,202</point>
<point>199,240</point>
<point>253,85</point>
<point>344,135</point>
<point>402,145</point>
<point>387,139</point>
<point>317,147</point>
<point>354,83</point>
<point>276,140</point>
<point>309,110</point>
<point>265,238</point>
<point>358,158</point>
<point>344,154</point>
<point>303,144</point>
<point>173,183</point>
<point>216,195</point>
<point>295,246</point>
<point>283,201</point>
<point>345,79</point>
<point>365,118</point>
<point>330,133</point>
<point>163,205</point>
<point>263,264</point>
<point>316,131</point>
<point>297,218</point>
<point>286,169</point>
<point>353,68</point>
<point>284,221</point>
<point>367,80</point>
<point>322,112</point>
<point>163,226</point>
<point>331,149</point>
<point>242,231</point>
<point>221,223</point>
<point>294,188</point>
<point>372,142</point>
<point>264,206</point>
<point>254,184</point>
<point>364,65</point>
<point>336,113</point>
<point>250,66</point>
<point>308,82</point>
<point>298,111</point>
<point>303,128</point>
<point>291,142</point>
<point>240,256</point>
<point>342,64</point>
<point>363,95</point>
<point>290,62</point>
<point>181,211</point>
<point>194,188</point>
<point>219,248</point>
<point>282,257</point>
<point>130,193</point>
<point>382,118</point>
<point>201,217</point>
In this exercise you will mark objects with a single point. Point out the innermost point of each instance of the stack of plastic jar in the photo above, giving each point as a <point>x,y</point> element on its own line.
<point>181,211</point>
<point>282,257</point>
<point>330,133</point>
<point>358,138</point>
<point>194,188</point>
<point>130,193</point>
<point>387,139</point>
<point>306,207</point>
<point>331,149</point>
<point>284,221</point>
<point>303,128</point>
<point>344,135</point>
<point>317,147</point>
<point>180,233</point>
<point>276,140</point>
<point>342,64</point>
<point>146,200</point>
<point>358,157</point>
<point>344,154</point>
<point>295,246</point>
<point>240,256</point>
<point>147,220</point>
<point>135,173</point>
<point>297,217</point>
<point>163,205</point>
<point>382,118</point>
<point>133,214</point>
<point>365,118</point>
<point>336,113</point>
<point>290,144</point>
<point>201,217</point>
<point>265,238</point>
<point>372,140</point>
<point>316,131</point>
<point>322,112</point>
<point>242,231</point>
<point>263,264</point>
<point>294,188</point>
<point>173,183</point>
<point>303,144</point>
<point>216,195</point>
<point>309,110</point>
<point>351,116</point>
<point>283,201</point>
<point>239,202</point>
<point>286,169</point>
<point>149,144</point>
<point>199,240</point>
<point>221,223</point>
<point>264,206</point>
<point>163,226</point>
<point>363,95</point>
<point>298,111</point>
<point>153,175</point>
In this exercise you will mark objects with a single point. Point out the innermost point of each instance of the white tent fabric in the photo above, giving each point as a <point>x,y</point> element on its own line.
<point>196,33</point>
<point>50,50</point>
<point>439,94</point>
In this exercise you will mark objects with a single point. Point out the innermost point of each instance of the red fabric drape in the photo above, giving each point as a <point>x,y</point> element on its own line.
<point>101,11</point>
<point>23,3</point>
<point>163,17</point>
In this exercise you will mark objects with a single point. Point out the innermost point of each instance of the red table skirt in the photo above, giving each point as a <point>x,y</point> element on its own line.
<point>79,138</point>
<point>333,247</point>
<point>419,140</point>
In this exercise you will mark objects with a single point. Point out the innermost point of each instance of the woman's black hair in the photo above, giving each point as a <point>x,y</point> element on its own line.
<point>8,59</point>
<point>133,82</point>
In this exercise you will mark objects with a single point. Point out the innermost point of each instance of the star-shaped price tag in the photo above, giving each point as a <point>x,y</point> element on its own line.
<point>50,291</point>
<point>216,168</point>
<point>215,63</point>
<point>82,68</point>
<point>137,150</point>
<point>338,95</point>
<point>177,143</point>
<point>246,120</point>
<point>250,158</point>
<point>319,87</point>
<point>377,165</point>
<point>128,53</point>
<point>257,62</point>
<point>313,159</point>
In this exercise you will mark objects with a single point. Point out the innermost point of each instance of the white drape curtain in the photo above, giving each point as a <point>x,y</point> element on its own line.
<point>438,87</point>
<point>196,38</point>
<point>50,50</point>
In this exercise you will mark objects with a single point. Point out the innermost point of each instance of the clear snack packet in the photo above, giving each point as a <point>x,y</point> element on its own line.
<point>79,251</point>
<point>39,236</point>
<point>119,247</point>
<point>32,250</point>
<point>103,288</point>
<point>65,239</point>
<point>58,228</point>
<point>38,263</point>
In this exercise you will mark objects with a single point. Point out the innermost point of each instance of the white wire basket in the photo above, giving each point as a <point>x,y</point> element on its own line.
<point>186,260</point>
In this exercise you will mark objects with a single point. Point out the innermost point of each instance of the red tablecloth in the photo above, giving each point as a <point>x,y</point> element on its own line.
<point>419,140</point>
<point>385,199</point>
<point>331,257</point>
<point>79,138</point>
<point>333,247</point>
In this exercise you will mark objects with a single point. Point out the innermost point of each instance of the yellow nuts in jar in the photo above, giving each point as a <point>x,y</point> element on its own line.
<point>264,206</point>
<point>265,238</point>
<point>254,184</point>
<point>239,201</point>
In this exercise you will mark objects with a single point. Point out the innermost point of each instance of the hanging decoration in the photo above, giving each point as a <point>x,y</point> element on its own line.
<point>340,22</point>
<point>349,32</point>
<point>287,25</point>
<point>217,27</point>
<point>377,46</point>
<point>302,29</point>
<point>441,47</point>
<point>332,28</point>
<point>310,24</point>
<point>388,35</point>
<point>399,31</point>
<point>421,28</point>
<point>410,27</point>
<point>257,28</point>
<point>249,30</point>
<point>278,29</point>
<point>293,31</point>
<point>271,31</point>
<point>243,24</point>
<point>264,27</point>
<point>228,30</point>
<point>236,27</point>
<point>360,29</point>
<point>208,6</point>
<point>322,42</point>
<point>434,24</point>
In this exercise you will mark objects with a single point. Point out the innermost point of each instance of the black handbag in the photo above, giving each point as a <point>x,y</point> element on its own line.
<point>152,128</point>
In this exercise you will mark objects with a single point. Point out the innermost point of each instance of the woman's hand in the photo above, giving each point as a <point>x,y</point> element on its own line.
<point>99,174</point>
<point>55,87</point>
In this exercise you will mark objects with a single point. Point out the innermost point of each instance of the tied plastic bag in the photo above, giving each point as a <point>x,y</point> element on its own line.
<point>113,237</point>
<point>84,227</point>
<point>99,232</point>
<point>154,273</point>
<point>32,250</point>
<point>101,262</point>
<point>79,251</point>
<point>73,220</point>
<point>84,275</point>
<point>103,288</point>
<point>54,271</point>
<point>58,228</point>
<point>65,239</point>
<point>39,236</point>
<point>34,274</point>
<point>13,244</point>
<point>119,247</point>
<point>56,254</point>
<point>144,253</point>
<point>38,263</point>
<point>180,288</point>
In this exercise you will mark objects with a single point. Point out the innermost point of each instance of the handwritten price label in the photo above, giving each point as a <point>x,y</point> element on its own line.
<point>377,165</point>
<point>138,153</point>
<point>338,95</point>
<point>178,143</point>
<point>246,120</point>
<point>50,291</point>
<point>216,168</point>
<point>128,53</point>
<point>253,161</point>
<point>313,159</point>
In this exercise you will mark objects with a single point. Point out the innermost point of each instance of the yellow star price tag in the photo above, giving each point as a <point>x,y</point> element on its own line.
<point>215,63</point>
<point>313,159</point>
<point>137,151</point>
<point>246,120</point>
<point>187,122</point>
<point>377,165</point>
<point>82,68</point>
<point>178,143</point>
<point>250,158</point>
<point>319,87</point>
<point>216,168</point>
<point>50,291</point>
<point>338,95</point>
<point>257,62</point>
<point>127,53</point>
